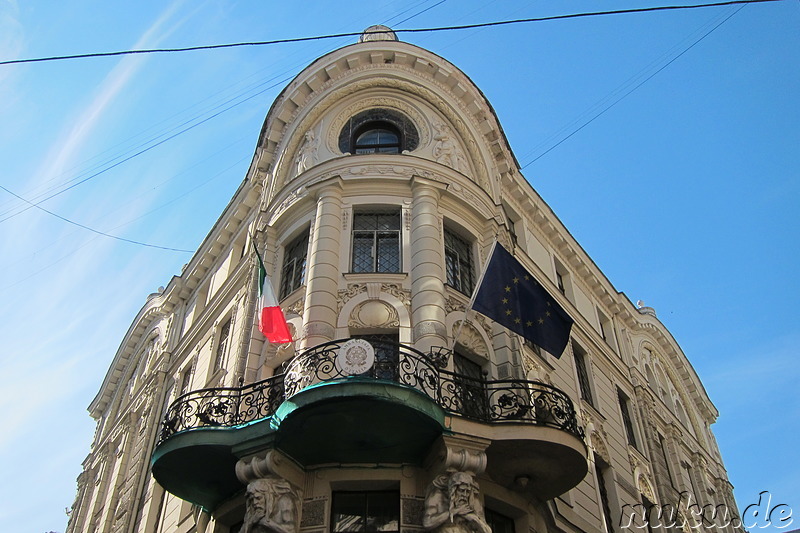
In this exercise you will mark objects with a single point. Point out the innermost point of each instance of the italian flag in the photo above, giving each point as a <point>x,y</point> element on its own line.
<point>271,321</point>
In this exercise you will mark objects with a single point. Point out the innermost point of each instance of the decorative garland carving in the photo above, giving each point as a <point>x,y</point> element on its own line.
<point>452,304</point>
<point>297,307</point>
<point>353,289</point>
<point>398,292</point>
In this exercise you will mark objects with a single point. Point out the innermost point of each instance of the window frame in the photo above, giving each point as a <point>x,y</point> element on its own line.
<point>221,345</point>
<point>377,237</point>
<point>460,259</point>
<point>336,494</point>
<point>294,253</point>
<point>579,356</point>
<point>377,148</point>
<point>627,419</point>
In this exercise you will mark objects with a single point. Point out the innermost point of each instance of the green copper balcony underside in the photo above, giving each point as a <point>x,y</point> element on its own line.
<point>352,421</point>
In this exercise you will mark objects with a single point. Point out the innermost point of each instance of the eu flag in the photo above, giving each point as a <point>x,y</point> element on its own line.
<point>509,295</point>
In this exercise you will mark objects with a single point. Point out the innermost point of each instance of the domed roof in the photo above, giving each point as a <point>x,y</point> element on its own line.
<point>377,32</point>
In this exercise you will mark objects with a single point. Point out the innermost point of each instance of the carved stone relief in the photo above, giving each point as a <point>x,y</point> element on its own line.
<point>297,307</point>
<point>384,102</point>
<point>469,338</point>
<point>273,506</point>
<point>307,156</point>
<point>374,314</point>
<point>446,150</point>
<point>452,505</point>
<point>432,97</point>
<point>353,289</point>
<point>599,446</point>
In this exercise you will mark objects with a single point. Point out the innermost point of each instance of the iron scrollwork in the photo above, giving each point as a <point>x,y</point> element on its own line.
<point>489,401</point>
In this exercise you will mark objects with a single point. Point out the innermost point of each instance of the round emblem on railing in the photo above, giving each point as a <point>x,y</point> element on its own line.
<point>356,356</point>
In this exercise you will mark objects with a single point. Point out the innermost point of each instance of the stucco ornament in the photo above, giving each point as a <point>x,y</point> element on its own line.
<point>446,151</point>
<point>307,156</point>
<point>272,507</point>
<point>452,505</point>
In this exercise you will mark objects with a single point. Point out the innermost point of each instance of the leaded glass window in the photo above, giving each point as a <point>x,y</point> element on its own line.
<point>458,263</point>
<point>294,265</point>
<point>376,241</point>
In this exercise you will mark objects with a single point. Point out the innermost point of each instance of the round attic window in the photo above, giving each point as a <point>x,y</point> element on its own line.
<point>378,131</point>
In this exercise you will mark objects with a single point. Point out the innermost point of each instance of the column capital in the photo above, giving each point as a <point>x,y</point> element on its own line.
<point>424,186</point>
<point>271,463</point>
<point>327,188</point>
<point>457,453</point>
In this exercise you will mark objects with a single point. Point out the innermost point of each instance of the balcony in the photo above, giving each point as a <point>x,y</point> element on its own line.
<point>357,402</point>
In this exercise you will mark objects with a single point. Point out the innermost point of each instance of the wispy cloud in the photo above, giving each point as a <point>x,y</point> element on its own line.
<point>120,76</point>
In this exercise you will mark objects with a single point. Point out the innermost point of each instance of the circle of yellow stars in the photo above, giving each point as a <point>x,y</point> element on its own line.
<point>508,312</point>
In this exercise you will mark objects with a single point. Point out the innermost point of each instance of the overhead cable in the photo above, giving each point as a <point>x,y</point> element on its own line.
<point>355,34</point>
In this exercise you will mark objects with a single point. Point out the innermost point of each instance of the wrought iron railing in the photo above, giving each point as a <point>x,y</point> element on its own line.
<point>223,406</point>
<point>493,401</point>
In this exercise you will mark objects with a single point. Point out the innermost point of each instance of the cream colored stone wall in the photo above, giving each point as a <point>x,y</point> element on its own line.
<point>300,182</point>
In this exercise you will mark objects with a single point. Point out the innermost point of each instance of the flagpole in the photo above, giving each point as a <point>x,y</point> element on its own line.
<point>474,294</point>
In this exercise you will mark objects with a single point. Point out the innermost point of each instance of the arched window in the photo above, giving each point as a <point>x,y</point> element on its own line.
<point>377,138</point>
<point>378,131</point>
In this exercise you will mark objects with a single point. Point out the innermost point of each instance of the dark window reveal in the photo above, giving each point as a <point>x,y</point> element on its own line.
<point>378,131</point>
<point>365,512</point>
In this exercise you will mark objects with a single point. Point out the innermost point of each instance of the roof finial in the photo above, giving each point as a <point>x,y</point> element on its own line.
<point>377,32</point>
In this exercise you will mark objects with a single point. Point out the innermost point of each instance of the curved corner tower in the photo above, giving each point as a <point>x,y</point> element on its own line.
<point>380,182</point>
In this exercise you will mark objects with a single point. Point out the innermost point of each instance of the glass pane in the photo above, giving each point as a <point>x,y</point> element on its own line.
<point>365,221</point>
<point>383,511</point>
<point>451,268</point>
<point>388,221</point>
<point>362,252</point>
<point>499,523</point>
<point>348,512</point>
<point>389,252</point>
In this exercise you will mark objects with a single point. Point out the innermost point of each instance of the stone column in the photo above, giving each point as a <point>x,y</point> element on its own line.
<point>319,316</point>
<point>427,268</point>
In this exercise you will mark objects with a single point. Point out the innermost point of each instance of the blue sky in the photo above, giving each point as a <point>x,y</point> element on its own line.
<point>685,192</point>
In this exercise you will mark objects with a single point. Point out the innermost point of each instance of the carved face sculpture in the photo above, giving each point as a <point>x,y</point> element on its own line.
<point>461,490</point>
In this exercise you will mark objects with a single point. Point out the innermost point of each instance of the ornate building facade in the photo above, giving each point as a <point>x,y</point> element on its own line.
<point>381,179</point>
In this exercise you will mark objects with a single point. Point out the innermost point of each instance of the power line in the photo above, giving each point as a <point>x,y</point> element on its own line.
<point>648,78</point>
<point>354,34</point>
<point>104,234</point>
<point>128,158</point>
